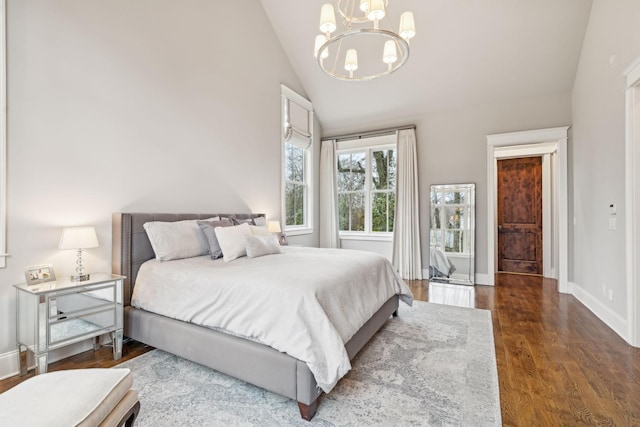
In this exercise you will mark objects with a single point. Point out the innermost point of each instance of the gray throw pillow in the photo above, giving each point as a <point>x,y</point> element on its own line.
<point>238,221</point>
<point>208,228</point>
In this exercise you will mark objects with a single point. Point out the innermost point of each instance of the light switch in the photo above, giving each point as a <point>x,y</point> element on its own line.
<point>612,209</point>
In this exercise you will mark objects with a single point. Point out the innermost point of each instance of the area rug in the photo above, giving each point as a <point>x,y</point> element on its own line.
<point>434,365</point>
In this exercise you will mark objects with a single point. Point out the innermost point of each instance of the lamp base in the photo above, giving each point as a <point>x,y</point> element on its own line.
<point>80,278</point>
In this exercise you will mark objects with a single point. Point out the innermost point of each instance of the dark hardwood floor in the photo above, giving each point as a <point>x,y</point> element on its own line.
<point>558,364</point>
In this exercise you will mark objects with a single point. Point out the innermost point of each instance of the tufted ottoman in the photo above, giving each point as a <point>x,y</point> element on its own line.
<point>78,397</point>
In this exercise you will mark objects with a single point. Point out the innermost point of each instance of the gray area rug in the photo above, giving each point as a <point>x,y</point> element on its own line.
<point>434,365</point>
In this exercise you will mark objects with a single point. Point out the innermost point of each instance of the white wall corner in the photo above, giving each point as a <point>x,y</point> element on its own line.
<point>604,313</point>
<point>483,279</point>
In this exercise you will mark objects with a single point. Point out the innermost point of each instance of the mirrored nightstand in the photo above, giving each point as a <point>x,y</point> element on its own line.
<point>56,314</point>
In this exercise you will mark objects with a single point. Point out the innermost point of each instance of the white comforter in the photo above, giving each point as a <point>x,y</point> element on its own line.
<point>305,302</point>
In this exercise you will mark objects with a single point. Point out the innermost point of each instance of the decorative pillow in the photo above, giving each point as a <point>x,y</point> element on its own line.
<point>260,221</point>
<point>262,245</point>
<point>208,228</point>
<point>232,241</point>
<point>259,230</point>
<point>176,240</point>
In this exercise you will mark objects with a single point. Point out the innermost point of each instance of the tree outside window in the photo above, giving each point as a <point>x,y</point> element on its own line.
<point>295,186</point>
<point>366,190</point>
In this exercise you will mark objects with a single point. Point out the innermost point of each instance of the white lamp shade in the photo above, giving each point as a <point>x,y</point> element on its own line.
<point>390,54</point>
<point>273,227</point>
<point>407,26</point>
<point>78,238</point>
<point>376,10</point>
<point>320,40</point>
<point>351,60</point>
<point>327,18</point>
<point>364,5</point>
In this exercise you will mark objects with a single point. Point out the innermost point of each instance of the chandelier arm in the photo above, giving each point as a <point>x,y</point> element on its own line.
<point>401,42</point>
<point>354,20</point>
<point>335,61</point>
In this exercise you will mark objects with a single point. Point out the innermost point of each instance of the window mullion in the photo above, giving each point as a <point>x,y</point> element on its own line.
<point>367,191</point>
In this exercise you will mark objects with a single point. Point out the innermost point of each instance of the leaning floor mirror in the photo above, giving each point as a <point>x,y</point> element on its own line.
<point>452,234</point>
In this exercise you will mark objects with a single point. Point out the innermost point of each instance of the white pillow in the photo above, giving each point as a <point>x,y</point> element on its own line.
<point>262,245</point>
<point>176,240</point>
<point>260,221</point>
<point>232,241</point>
<point>259,230</point>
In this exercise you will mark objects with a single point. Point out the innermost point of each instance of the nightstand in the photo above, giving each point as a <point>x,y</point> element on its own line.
<point>52,315</point>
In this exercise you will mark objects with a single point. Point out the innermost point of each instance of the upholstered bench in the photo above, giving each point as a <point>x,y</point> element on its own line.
<point>77,397</point>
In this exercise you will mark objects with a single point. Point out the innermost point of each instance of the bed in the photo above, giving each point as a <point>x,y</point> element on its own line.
<point>249,360</point>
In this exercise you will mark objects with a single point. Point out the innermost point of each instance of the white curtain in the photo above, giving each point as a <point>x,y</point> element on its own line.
<point>329,237</point>
<point>407,256</point>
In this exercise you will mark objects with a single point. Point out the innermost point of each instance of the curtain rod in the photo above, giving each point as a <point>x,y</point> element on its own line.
<point>380,132</point>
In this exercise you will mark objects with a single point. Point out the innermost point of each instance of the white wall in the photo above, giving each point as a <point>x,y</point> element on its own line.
<point>146,105</point>
<point>597,147</point>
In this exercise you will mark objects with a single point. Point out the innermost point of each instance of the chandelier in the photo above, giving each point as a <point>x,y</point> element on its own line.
<point>337,55</point>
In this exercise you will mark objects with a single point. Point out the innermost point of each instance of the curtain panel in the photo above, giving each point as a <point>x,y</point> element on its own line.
<point>407,255</point>
<point>329,237</point>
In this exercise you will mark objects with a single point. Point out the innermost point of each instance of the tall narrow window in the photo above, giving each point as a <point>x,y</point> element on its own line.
<point>3,133</point>
<point>366,186</point>
<point>297,138</point>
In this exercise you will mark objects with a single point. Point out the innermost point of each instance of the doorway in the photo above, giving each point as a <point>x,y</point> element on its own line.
<point>551,144</point>
<point>520,215</point>
<point>632,201</point>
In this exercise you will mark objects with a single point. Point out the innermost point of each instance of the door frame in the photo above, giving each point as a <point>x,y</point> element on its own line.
<point>632,200</point>
<point>545,143</point>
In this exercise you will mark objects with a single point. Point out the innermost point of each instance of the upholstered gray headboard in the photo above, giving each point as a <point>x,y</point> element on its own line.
<point>131,246</point>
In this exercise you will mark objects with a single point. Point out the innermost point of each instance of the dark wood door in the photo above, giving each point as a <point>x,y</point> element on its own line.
<point>520,215</point>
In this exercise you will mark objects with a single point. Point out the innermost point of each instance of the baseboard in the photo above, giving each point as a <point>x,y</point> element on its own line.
<point>482,279</point>
<point>604,313</point>
<point>9,366</point>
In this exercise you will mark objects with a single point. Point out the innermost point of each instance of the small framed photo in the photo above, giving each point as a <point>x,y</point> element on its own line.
<point>39,274</point>
<point>282,238</point>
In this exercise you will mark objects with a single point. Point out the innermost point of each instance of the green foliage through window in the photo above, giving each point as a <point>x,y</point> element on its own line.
<point>366,190</point>
<point>295,186</point>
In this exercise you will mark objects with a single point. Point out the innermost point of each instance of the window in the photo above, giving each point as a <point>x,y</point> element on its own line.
<point>297,137</point>
<point>366,186</point>
<point>450,219</point>
<point>295,190</point>
<point>3,133</point>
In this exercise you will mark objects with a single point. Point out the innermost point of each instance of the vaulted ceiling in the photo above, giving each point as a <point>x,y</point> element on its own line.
<point>465,53</point>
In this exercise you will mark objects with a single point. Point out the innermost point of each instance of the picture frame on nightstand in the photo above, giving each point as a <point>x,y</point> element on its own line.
<point>282,239</point>
<point>39,274</point>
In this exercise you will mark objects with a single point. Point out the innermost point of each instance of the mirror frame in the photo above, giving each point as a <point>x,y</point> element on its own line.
<point>467,278</point>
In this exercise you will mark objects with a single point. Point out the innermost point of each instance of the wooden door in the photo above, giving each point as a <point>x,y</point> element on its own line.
<point>520,215</point>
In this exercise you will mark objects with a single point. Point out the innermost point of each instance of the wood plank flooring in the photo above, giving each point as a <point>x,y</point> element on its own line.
<point>558,364</point>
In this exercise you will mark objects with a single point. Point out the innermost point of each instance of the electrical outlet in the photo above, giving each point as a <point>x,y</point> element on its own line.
<point>612,223</point>
<point>611,295</point>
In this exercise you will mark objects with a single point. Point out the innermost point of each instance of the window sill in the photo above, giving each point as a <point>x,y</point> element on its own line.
<point>298,231</point>
<point>367,237</point>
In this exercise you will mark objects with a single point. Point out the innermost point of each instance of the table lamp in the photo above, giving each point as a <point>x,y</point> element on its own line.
<point>79,238</point>
<point>274,227</point>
